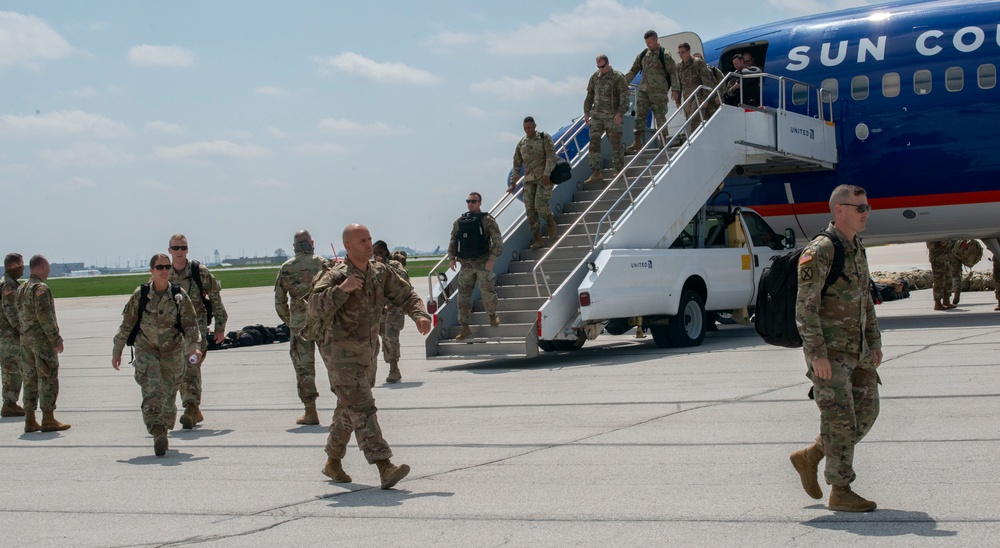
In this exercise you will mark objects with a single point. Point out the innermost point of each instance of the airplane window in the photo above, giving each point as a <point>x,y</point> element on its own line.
<point>859,88</point>
<point>890,84</point>
<point>954,79</point>
<point>800,94</point>
<point>830,85</point>
<point>987,76</point>
<point>922,82</point>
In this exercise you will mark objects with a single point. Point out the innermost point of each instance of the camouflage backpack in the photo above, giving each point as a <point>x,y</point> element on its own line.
<point>968,252</point>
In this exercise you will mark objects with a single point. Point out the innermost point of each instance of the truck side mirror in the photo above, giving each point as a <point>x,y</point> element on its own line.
<point>789,238</point>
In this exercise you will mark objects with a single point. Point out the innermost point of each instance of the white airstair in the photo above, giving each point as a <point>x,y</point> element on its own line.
<point>646,206</point>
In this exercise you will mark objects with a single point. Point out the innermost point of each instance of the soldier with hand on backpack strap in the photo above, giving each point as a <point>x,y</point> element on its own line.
<point>205,292</point>
<point>843,348</point>
<point>536,153</point>
<point>659,75</point>
<point>160,323</point>
<point>475,243</point>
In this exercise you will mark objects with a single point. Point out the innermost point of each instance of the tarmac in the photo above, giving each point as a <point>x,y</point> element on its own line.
<point>620,443</point>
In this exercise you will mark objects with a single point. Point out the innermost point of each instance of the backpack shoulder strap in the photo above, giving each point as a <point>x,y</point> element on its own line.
<point>143,301</point>
<point>837,268</point>
<point>174,291</point>
<point>196,274</point>
<point>663,63</point>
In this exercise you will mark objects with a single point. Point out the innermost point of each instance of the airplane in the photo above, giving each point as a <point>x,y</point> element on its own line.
<point>914,97</point>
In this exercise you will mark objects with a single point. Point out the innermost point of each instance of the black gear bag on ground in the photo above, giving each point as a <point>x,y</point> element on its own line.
<point>471,241</point>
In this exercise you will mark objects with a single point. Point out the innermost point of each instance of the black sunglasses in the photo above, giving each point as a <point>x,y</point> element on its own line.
<point>179,247</point>
<point>862,208</point>
<point>472,201</point>
<point>161,266</point>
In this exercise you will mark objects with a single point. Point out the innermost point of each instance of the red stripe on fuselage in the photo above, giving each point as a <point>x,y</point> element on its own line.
<point>898,202</point>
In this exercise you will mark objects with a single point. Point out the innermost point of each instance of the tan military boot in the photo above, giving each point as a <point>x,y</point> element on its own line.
<point>806,463</point>
<point>636,144</point>
<point>946,302</point>
<point>842,499</point>
<point>958,294</point>
<point>335,471</point>
<point>310,417</point>
<point>465,333</point>
<point>938,305</point>
<point>595,177</point>
<point>494,320</point>
<point>50,424</point>
<point>188,418</point>
<point>159,440</point>
<point>11,409</point>
<point>536,240</point>
<point>394,373</point>
<point>30,424</point>
<point>550,231</point>
<point>390,474</point>
<point>998,305</point>
<point>198,417</point>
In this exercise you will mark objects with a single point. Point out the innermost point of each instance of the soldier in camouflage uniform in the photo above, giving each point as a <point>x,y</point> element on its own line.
<point>939,254</point>
<point>348,300</point>
<point>168,335</point>
<point>294,281</point>
<point>183,274</point>
<point>536,153</point>
<point>842,346</point>
<point>477,268</point>
<point>603,109</point>
<point>659,73</point>
<point>42,344</point>
<point>11,355</point>
<point>691,74</point>
<point>955,267</point>
<point>394,318</point>
<point>996,280</point>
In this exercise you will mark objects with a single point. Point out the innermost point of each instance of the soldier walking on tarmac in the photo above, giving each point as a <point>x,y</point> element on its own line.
<point>293,284</point>
<point>394,318</point>
<point>11,355</point>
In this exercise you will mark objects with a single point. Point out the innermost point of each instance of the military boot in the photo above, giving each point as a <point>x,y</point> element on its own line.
<point>842,499</point>
<point>998,305</point>
<point>494,320</point>
<point>946,302</point>
<point>335,471</point>
<point>806,463</point>
<point>310,417</point>
<point>188,418</point>
<point>394,374</point>
<point>30,424</point>
<point>198,417</point>
<point>465,333</point>
<point>550,231</point>
<point>595,177</point>
<point>938,305</point>
<point>958,294</point>
<point>159,440</point>
<point>390,474</point>
<point>636,144</point>
<point>536,240</point>
<point>50,424</point>
<point>11,409</point>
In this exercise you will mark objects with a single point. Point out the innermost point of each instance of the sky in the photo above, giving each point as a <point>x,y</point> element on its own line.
<point>237,123</point>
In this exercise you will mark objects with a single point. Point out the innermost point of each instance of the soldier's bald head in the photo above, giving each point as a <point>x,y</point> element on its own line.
<point>351,231</point>
<point>303,236</point>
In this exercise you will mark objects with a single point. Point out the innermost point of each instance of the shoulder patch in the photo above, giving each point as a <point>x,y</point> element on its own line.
<point>805,257</point>
<point>39,291</point>
<point>7,290</point>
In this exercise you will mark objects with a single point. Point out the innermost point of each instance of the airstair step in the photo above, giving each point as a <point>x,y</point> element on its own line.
<point>518,279</point>
<point>517,291</point>
<point>552,264</point>
<point>516,304</point>
<point>507,317</point>
<point>574,245</point>
<point>504,331</point>
<point>483,348</point>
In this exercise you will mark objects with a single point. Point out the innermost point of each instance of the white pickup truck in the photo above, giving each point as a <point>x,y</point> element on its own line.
<point>713,266</point>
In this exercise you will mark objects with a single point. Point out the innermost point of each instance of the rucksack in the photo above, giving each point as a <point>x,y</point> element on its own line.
<point>315,329</point>
<point>196,274</point>
<point>561,172</point>
<point>968,252</point>
<point>471,241</point>
<point>663,63</point>
<point>143,301</point>
<point>774,317</point>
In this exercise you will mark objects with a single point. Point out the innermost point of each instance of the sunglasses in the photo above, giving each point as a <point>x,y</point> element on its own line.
<point>179,247</point>
<point>602,66</point>
<point>161,266</point>
<point>862,208</point>
<point>472,201</point>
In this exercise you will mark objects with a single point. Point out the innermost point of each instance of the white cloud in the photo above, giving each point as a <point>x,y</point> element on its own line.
<point>86,154</point>
<point>473,111</point>
<point>26,40</point>
<point>74,184</point>
<point>512,89</point>
<point>154,186</point>
<point>352,128</point>
<point>508,137</point>
<point>273,91</point>
<point>798,8</point>
<point>83,92</point>
<point>448,38</point>
<point>159,126</point>
<point>309,148</point>
<point>168,56</point>
<point>275,132</point>
<point>269,184</point>
<point>382,73</point>
<point>238,134</point>
<point>62,123</point>
<point>210,150</point>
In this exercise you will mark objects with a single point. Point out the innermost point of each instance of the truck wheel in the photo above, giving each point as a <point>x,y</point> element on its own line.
<point>547,346</point>
<point>563,345</point>
<point>617,326</point>
<point>660,336</point>
<point>687,328</point>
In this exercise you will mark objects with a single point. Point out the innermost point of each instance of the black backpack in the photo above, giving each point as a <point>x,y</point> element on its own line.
<point>561,172</point>
<point>774,317</point>
<point>196,274</point>
<point>471,241</point>
<point>143,301</point>
<point>663,63</point>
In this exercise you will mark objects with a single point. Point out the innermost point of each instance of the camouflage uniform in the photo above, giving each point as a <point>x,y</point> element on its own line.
<point>191,383</point>
<point>607,96</point>
<point>349,348</point>
<point>940,257</point>
<point>393,320</point>
<point>654,89</point>
<point>11,355</point>
<point>295,280</point>
<point>474,270</point>
<point>537,155</point>
<point>692,74</point>
<point>39,338</point>
<point>161,351</point>
<point>996,279</point>
<point>841,327</point>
